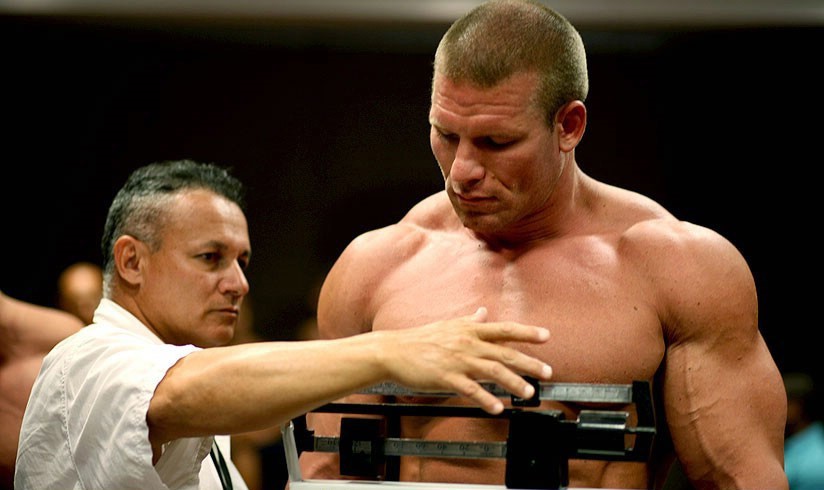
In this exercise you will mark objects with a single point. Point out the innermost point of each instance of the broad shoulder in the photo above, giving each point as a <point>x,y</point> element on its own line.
<point>385,247</point>
<point>700,282</point>
<point>365,263</point>
<point>669,245</point>
<point>657,239</point>
<point>695,276</point>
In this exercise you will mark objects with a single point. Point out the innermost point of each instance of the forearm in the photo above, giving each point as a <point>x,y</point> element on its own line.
<point>251,386</point>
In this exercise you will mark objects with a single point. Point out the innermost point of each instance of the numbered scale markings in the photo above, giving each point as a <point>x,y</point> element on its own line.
<point>414,447</point>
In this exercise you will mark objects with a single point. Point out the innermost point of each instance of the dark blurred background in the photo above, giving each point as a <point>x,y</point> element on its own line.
<point>711,108</point>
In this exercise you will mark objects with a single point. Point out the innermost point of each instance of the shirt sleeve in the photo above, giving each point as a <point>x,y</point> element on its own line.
<point>108,387</point>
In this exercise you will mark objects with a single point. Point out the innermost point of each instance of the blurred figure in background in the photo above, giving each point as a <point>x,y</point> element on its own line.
<point>79,289</point>
<point>27,334</point>
<point>804,434</point>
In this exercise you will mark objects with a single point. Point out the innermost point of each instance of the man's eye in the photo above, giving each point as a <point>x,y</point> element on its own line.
<point>447,136</point>
<point>497,143</point>
<point>210,256</point>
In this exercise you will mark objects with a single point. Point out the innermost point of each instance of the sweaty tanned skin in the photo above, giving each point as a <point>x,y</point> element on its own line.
<point>628,291</point>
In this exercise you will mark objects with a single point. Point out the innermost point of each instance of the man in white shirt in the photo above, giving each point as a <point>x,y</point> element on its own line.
<point>135,399</point>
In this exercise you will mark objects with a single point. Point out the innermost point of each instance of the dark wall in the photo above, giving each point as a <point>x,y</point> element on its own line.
<point>327,126</point>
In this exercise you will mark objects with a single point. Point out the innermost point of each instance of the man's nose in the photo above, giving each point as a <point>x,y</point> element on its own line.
<point>235,281</point>
<point>466,169</point>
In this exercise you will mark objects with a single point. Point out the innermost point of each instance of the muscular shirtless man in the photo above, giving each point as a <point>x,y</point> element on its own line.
<point>27,333</point>
<point>629,291</point>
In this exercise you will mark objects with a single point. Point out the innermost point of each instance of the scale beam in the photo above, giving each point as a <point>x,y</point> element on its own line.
<point>562,392</point>
<point>537,449</point>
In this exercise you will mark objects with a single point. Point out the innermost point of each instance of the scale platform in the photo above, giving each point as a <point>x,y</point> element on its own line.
<point>537,449</point>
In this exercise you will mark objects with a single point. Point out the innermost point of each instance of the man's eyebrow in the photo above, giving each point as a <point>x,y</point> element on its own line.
<point>222,246</point>
<point>214,244</point>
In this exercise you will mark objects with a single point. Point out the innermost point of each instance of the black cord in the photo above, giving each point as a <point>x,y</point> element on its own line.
<point>222,467</point>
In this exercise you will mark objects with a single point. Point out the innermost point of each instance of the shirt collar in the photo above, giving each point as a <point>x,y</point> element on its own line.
<point>111,313</point>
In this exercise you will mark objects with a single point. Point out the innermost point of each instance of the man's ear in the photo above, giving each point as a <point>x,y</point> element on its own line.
<point>571,120</point>
<point>129,253</point>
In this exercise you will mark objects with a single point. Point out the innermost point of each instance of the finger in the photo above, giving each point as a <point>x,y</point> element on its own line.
<point>510,331</point>
<point>472,390</point>
<point>508,379</point>
<point>521,363</point>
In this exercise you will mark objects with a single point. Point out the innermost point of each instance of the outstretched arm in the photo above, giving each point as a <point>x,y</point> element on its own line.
<point>247,387</point>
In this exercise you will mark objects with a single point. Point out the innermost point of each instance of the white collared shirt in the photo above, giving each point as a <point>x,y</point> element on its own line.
<point>85,424</point>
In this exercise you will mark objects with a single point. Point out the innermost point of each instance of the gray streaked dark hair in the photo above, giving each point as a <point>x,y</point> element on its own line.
<point>500,38</point>
<point>137,209</point>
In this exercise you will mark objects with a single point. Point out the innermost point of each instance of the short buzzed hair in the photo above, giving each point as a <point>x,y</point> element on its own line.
<point>500,38</point>
<point>137,209</point>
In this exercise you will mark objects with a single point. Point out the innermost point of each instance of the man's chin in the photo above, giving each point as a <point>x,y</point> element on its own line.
<point>219,335</point>
<point>480,223</point>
